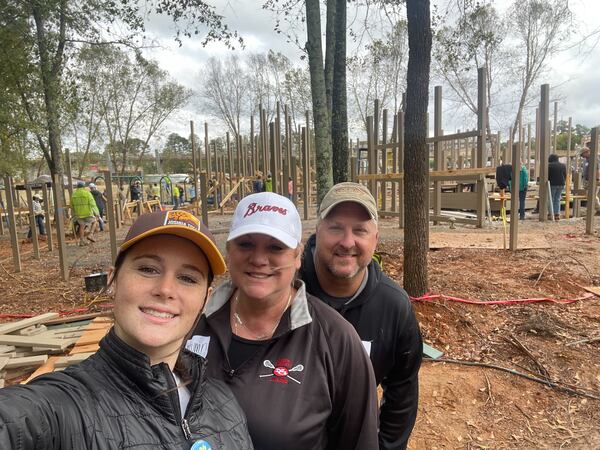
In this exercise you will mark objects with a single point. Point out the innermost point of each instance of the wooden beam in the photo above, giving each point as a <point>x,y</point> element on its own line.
<point>35,341</point>
<point>452,137</point>
<point>26,361</point>
<point>231,192</point>
<point>11,327</point>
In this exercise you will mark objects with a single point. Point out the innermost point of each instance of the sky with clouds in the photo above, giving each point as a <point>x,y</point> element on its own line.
<point>573,74</point>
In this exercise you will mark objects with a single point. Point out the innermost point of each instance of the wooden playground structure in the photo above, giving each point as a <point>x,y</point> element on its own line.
<point>462,178</point>
<point>464,165</point>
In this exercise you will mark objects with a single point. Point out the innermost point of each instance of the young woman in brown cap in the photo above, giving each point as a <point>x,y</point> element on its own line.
<point>141,389</point>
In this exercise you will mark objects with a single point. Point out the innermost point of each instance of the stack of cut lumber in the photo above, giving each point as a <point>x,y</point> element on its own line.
<point>28,345</point>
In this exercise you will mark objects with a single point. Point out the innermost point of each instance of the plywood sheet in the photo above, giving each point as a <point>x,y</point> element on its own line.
<point>96,330</point>
<point>487,240</point>
<point>46,368</point>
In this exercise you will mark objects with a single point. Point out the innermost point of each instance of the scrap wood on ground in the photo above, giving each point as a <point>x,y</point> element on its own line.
<point>33,346</point>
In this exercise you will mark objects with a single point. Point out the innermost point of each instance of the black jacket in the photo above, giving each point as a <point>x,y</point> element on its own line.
<point>310,387</point>
<point>383,316</point>
<point>557,173</point>
<point>116,400</point>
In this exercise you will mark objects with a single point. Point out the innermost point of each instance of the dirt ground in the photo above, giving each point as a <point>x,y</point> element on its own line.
<point>461,405</point>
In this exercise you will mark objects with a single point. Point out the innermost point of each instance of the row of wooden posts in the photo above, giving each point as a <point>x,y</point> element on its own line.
<point>381,176</point>
<point>269,151</point>
<point>277,159</point>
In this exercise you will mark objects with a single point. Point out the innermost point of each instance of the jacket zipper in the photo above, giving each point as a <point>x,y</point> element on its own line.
<point>174,397</point>
<point>186,429</point>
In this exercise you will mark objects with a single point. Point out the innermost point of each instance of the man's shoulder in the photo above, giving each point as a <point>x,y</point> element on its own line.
<point>328,318</point>
<point>387,290</point>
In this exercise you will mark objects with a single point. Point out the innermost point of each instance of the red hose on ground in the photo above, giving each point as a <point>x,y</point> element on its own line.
<point>426,298</point>
<point>515,301</point>
<point>63,313</point>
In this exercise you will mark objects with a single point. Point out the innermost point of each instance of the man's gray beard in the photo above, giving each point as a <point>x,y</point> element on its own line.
<point>343,276</point>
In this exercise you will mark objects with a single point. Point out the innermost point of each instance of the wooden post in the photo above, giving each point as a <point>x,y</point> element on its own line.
<point>204,197</point>
<point>372,158</point>
<point>12,223</point>
<point>194,165</point>
<point>49,235</point>
<point>354,169</point>
<point>229,160</point>
<point>384,153</point>
<point>110,207</point>
<point>529,154</point>
<point>69,175</point>
<point>59,221</point>
<point>295,180</point>
<point>544,150</point>
<point>288,143</point>
<point>32,223</point>
<point>437,151</point>
<point>481,116</point>
<point>555,126</point>
<point>400,137</point>
<point>305,171</point>
<point>577,182</point>
<point>272,150</point>
<point>568,178</point>
<point>498,150</point>
<point>536,172</point>
<point>395,162</point>
<point>206,151</point>
<point>265,130</point>
<point>252,147</point>
<point>592,183</point>
<point>514,199</point>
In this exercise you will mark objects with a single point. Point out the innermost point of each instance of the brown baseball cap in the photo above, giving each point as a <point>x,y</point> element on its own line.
<point>177,223</point>
<point>348,192</point>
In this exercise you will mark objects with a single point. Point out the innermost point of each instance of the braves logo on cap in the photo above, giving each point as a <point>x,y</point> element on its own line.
<point>255,207</point>
<point>183,218</point>
<point>280,371</point>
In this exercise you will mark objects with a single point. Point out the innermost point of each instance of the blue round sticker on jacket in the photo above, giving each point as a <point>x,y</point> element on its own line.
<point>201,445</point>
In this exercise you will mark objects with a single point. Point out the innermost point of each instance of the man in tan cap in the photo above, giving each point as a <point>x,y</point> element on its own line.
<point>338,267</point>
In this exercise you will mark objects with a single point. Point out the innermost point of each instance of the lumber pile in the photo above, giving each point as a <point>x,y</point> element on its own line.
<point>46,342</point>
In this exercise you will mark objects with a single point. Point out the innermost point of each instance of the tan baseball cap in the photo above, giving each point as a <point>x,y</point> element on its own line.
<point>348,192</point>
<point>177,223</point>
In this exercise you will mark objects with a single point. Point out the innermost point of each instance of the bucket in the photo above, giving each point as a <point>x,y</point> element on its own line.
<point>96,281</point>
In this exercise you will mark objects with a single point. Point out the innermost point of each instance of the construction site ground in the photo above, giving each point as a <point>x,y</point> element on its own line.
<point>461,406</point>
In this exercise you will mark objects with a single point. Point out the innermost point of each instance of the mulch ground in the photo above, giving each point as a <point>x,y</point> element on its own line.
<point>461,406</point>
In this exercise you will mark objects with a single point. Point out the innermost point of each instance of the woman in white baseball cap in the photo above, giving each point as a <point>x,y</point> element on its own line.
<point>296,367</point>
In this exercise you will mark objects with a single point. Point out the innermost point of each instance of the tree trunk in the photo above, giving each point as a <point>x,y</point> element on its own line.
<point>339,115</point>
<point>330,52</point>
<point>319,100</point>
<point>416,159</point>
<point>50,69</point>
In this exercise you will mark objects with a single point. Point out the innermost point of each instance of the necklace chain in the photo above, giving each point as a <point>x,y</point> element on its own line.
<point>237,320</point>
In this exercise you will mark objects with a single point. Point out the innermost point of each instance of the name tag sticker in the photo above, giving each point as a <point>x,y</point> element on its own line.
<point>198,345</point>
<point>367,346</point>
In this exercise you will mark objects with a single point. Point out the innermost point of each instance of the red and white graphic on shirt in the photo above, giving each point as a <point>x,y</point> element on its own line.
<point>280,371</point>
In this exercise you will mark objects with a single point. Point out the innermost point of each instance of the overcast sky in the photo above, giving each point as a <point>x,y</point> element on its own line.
<point>573,75</point>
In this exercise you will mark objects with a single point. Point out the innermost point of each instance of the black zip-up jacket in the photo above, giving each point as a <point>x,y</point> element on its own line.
<point>116,400</point>
<point>383,316</point>
<point>310,387</point>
